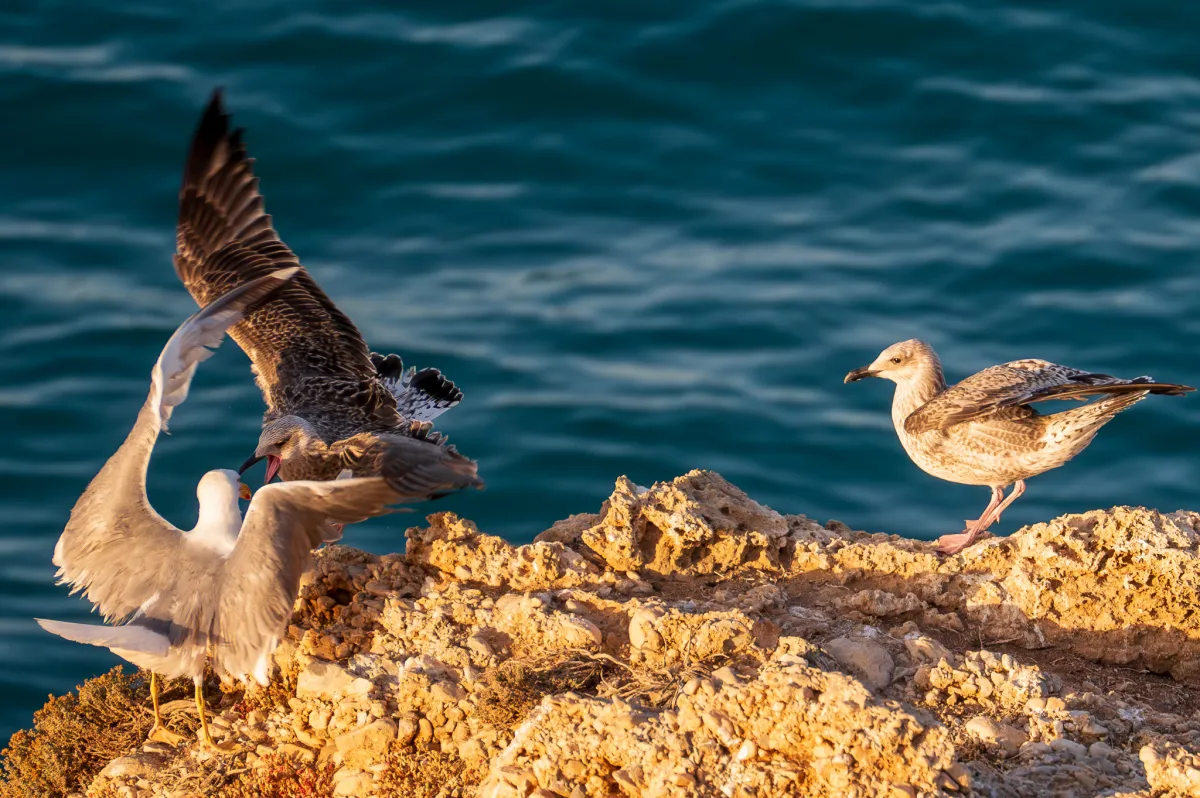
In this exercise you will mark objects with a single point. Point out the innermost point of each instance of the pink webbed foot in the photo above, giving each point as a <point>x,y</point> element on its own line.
<point>953,544</point>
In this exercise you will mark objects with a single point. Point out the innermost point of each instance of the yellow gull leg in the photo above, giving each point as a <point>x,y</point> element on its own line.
<point>159,732</point>
<point>206,739</point>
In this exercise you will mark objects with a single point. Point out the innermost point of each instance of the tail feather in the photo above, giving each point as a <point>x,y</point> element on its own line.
<point>1149,384</point>
<point>1098,384</point>
<point>420,395</point>
<point>1115,402</point>
<point>1081,423</point>
<point>126,638</point>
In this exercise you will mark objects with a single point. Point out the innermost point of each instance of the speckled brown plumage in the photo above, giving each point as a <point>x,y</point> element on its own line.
<point>1020,383</point>
<point>984,431</point>
<point>309,360</point>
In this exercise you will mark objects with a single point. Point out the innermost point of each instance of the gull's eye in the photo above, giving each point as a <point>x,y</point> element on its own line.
<point>896,360</point>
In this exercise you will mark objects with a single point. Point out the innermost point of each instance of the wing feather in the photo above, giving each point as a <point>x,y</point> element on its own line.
<point>115,547</point>
<point>196,339</point>
<point>1021,382</point>
<point>418,465</point>
<point>261,578</point>
<point>301,332</point>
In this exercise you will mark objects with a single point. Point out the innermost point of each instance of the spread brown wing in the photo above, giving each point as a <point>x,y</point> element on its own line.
<point>1021,382</point>
<point>300,334</point>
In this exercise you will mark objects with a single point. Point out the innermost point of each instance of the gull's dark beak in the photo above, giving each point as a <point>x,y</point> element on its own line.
<point>244,491</point>
<point>859,374</point>
<point>254,458</point>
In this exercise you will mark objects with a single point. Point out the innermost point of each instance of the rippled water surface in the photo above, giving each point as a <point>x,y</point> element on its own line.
<point>642,237</point>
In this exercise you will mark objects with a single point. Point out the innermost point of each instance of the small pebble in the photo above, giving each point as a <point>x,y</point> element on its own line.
<point>1035,749</point>
<point>1064,746</point>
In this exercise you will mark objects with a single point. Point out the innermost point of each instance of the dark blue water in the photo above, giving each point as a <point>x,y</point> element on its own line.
<point>642,237</point>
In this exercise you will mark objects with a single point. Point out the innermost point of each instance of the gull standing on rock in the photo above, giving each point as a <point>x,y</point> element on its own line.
<point>983,430</point>
<point>227,585</point>
<point>332,404</point>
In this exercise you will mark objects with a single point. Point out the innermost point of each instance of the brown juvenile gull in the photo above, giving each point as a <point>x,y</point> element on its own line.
<point>983,431</point>
<point>332,404</point>
<point>170,595</point>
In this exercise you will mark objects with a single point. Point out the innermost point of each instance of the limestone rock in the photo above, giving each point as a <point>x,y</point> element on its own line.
<point>456,546</point>
<point>366,746</point>
<point>989,680</point>
<point>1171,769</point>
<point>869,661</point>
<point>140,766</point>
<point>666,634</point>
<point>882,604</point>
<point>642,634</point>
<point>674,645</point>
<point>998,735</point>
<point>791,714</point>
<point>698,523</point>
<point>350,781</point>
<point>329,680</point>
<point>1124,590</point>
<point>922,648</point>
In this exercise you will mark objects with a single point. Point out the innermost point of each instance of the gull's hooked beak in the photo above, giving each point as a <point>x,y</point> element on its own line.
<point>244,491</point>
<point>273,463</point>
<point>859,374</point>
<point>254,458</point>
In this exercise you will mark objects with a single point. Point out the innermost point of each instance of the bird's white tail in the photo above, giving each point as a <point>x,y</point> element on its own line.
<point>126,638</point>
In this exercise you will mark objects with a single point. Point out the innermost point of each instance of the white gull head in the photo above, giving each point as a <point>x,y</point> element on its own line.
<point>220,518</point>
<point>903,363</point>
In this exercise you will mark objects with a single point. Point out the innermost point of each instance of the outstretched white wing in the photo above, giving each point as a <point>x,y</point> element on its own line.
<point>115,547</point>
<point>261,578</point>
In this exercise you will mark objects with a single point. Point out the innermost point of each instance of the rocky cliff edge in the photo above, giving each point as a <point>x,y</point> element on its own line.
<point>688,641</point>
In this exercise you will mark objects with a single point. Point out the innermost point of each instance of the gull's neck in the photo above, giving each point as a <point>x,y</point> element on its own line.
<point>219,523</point>
<point>915,391</point>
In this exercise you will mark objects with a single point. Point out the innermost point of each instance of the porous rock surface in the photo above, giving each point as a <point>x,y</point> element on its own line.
<point>687,641</point>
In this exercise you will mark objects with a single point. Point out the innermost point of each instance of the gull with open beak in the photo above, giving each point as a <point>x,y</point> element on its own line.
<point>332,404</point>
<point>273,463</point>
<point>169,596</point>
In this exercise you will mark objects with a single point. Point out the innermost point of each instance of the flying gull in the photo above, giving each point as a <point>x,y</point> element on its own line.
<point>332,404</point>
<point>227,584</point>
<point>983,431</point>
